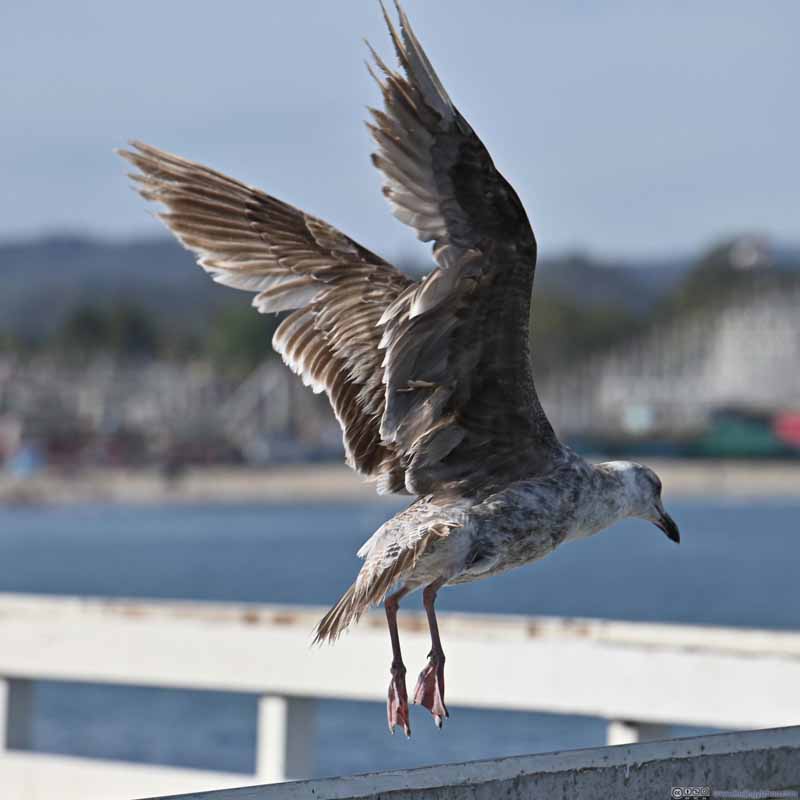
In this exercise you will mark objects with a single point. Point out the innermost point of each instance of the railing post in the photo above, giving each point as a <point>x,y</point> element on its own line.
<point>16,714</point>
<point>285,738</point>
<point>621,731</point>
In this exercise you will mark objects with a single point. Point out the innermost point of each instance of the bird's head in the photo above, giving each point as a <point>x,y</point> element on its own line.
<point>643,496</point>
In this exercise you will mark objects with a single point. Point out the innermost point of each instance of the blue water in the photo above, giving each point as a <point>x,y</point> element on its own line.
<point>737,565</point>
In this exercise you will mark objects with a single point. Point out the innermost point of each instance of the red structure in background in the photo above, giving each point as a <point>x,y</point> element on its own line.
<point>787,427</point>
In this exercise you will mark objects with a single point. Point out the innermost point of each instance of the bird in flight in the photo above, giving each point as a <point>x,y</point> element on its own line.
<point>430,379</point>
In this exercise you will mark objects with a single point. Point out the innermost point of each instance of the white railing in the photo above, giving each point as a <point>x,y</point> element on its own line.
<point>640,677</point>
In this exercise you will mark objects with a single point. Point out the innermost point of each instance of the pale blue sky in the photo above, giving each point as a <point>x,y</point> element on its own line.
<point>626,127</point>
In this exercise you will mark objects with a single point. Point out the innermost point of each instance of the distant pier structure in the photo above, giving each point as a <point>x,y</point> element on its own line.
<point>127,412</point>
<point>744,353</point>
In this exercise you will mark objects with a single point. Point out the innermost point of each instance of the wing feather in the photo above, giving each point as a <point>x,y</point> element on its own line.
<point>431,381</point>
<point>460,398</point>
<point>336,289</point>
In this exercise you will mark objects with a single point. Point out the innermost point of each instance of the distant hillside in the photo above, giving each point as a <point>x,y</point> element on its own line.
<point>638,286</point>
<point>46,279</point>
<point>589,284</point>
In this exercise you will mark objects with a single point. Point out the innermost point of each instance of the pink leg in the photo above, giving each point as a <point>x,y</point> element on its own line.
<point>397,704</point>
<point>430,686</point>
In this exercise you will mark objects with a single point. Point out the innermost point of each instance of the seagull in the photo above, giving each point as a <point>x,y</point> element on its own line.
<point>430,379</point>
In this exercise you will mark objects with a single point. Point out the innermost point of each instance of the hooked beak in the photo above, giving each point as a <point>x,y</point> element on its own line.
<point>667,524</point>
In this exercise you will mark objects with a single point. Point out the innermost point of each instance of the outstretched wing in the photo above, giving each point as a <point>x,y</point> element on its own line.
<point>430,381</point>
<point>460,398</point>
<point>337,289</point>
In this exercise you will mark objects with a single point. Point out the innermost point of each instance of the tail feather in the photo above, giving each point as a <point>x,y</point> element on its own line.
<point>372,586</point>
<point>350,607</point>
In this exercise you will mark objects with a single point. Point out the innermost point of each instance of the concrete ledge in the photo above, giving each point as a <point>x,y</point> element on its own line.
<point>749,760</point>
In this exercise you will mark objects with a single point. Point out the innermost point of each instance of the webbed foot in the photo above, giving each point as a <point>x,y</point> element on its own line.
<point>397,703</point>
<point>430,688</point>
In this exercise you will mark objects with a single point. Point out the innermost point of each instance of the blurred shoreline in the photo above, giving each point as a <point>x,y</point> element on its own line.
<point>311,483</point>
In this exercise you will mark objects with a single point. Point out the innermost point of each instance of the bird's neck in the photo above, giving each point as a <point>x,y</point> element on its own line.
<point>602,502</point>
